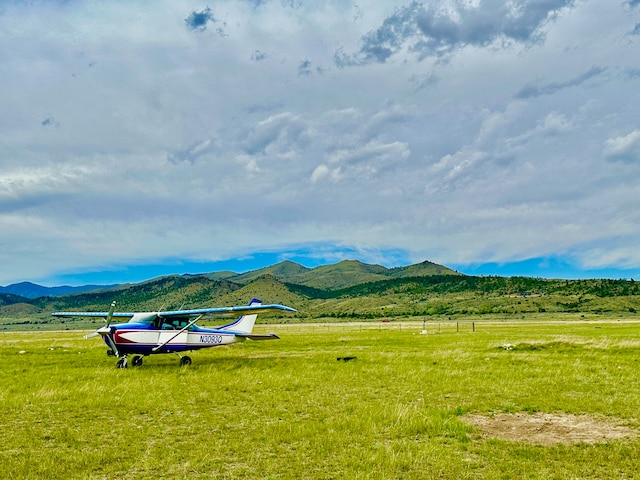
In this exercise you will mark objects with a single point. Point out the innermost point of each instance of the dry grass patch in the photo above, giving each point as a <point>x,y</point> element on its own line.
<point>549,428</point>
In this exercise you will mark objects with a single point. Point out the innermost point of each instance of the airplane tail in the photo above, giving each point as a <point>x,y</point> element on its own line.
<point>244,323</point>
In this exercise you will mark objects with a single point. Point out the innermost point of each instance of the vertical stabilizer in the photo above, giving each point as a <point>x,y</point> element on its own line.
<point>244,323</point>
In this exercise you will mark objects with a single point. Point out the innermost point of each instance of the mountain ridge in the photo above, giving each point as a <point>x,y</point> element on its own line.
<point>344,274</point>
<point>347,290</point>
<point>33,290</point>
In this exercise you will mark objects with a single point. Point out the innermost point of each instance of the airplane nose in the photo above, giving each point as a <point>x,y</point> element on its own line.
<point>101,331</point>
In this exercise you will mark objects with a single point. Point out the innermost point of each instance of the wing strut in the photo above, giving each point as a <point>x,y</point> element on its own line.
<point>155,349</point>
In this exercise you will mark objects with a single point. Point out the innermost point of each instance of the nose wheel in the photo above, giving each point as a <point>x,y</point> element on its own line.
<point>137,361</point>
<point>185,361</point>
<point>122,362</point>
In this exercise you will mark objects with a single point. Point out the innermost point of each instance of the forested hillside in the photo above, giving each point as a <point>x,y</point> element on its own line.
<point>347,290</point>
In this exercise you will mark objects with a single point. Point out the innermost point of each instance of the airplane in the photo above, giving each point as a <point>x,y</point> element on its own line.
<point>175,331</point>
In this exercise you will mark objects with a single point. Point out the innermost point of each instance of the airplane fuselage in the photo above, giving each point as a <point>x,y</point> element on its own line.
<point>142,339</point>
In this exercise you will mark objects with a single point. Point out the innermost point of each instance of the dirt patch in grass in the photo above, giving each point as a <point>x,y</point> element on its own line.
<point>549,429</point>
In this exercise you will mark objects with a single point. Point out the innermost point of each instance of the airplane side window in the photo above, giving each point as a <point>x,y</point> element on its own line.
<point>176,324</point>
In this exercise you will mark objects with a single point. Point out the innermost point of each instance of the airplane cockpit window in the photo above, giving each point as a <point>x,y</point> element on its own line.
<point>168,325</point>
<point>176,324</point>
<point>184,323</point>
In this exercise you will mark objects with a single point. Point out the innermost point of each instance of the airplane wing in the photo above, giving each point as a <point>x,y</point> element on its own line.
<point>224,310</point>
<point>93,314</point>
<point>180,313</point>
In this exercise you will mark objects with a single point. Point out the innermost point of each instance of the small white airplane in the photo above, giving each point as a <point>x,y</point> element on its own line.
<point>148,333</point>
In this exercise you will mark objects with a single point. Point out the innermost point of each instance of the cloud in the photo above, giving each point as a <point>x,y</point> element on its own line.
<point>536,89</point>
<point>191,154</point>
<point>438,30</point>
<point>472,131</point>
<point>367,160</point>
<point>277,133</point>
<point>623,149</point>
<point>23,189</point>
<point>424,81</point>
<point>322,171</point>
<point>553,125</point>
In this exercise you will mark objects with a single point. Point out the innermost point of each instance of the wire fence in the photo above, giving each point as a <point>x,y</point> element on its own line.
<point>417,327</point>
<point>431,327</point>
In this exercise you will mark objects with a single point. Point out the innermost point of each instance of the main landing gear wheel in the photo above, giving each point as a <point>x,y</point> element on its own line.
<point>185,361</point>
<point>122,362</point>
<point>137,361</point>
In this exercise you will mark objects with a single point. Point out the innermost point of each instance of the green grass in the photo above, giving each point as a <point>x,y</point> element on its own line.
<point>287,409</point>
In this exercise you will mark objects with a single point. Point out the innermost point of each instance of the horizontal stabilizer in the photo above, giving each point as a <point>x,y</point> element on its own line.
<point>256,336</point>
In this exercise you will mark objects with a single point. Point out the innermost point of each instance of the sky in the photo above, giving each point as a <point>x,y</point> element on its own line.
<point>496,137</point>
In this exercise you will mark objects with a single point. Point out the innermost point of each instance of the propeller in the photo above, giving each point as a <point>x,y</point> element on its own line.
<point>105,329</point>
<point>110,314</point>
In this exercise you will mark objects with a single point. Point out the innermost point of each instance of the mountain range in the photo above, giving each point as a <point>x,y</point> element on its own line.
<point>344,274</point>
<point>348,289</point>
<point>33,290</point>
<point>286,282</point>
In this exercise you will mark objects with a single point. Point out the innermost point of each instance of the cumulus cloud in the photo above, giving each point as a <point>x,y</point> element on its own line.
<point>439,29</point>
<point>624,148</point>
<point>322,171</point>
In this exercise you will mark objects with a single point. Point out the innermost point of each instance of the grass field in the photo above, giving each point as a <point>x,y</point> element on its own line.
<point>288,409</point>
